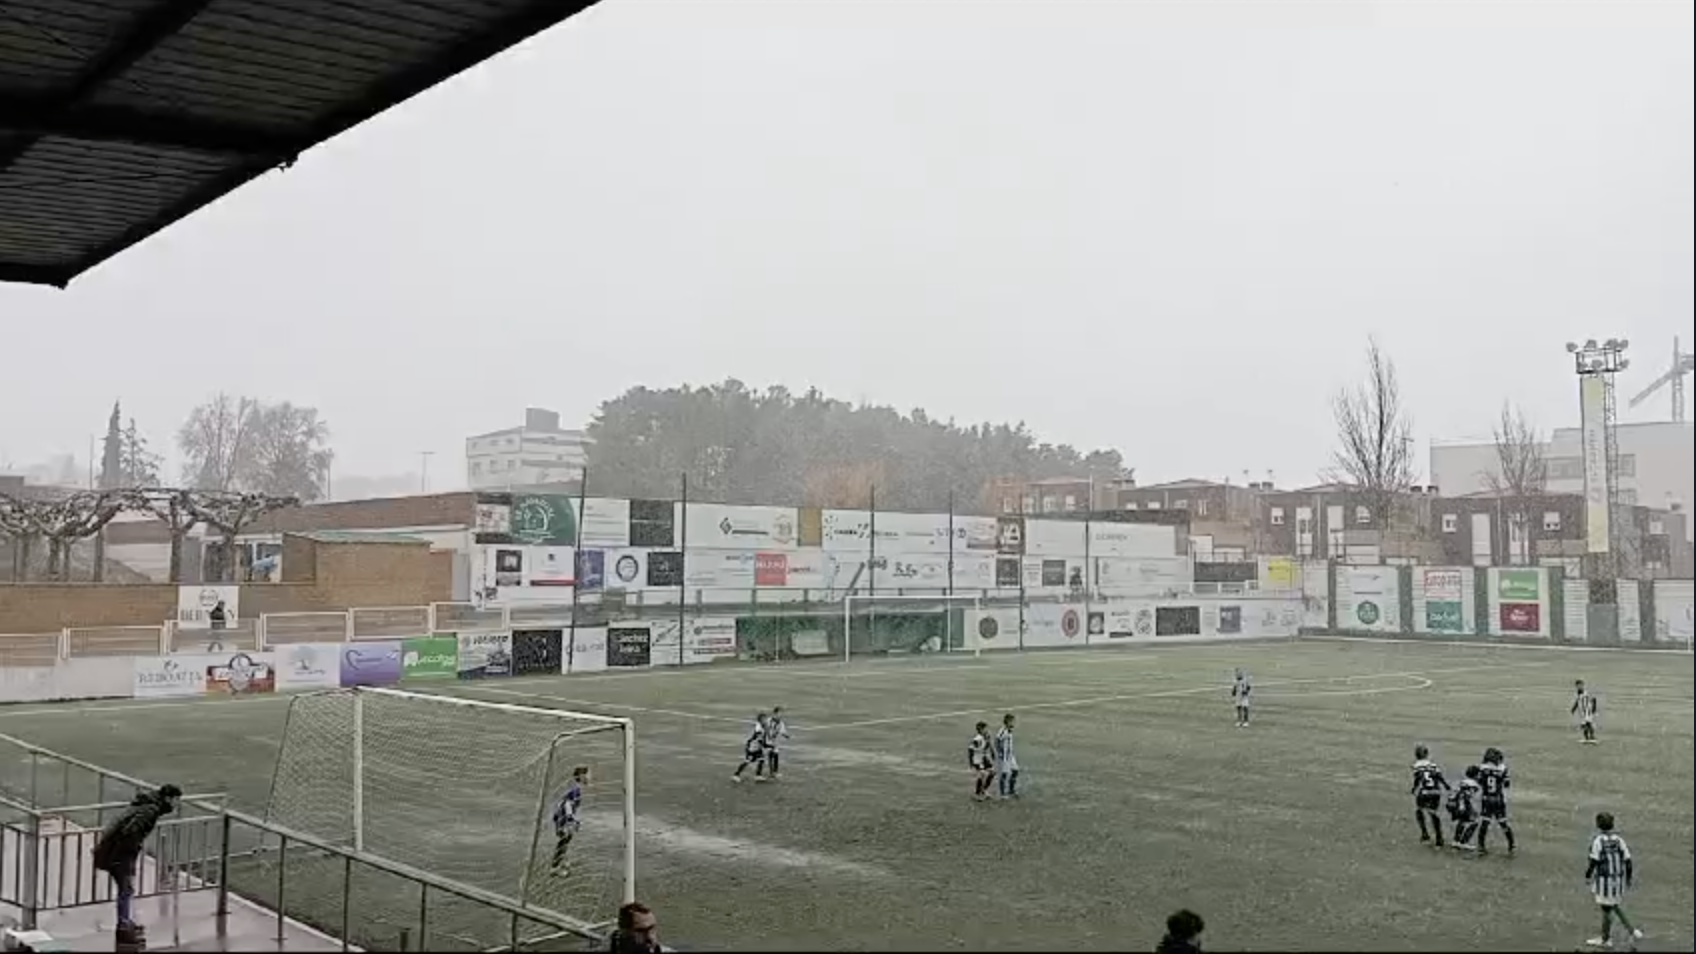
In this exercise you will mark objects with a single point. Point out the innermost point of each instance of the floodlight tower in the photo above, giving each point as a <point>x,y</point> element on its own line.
<point>1596,365</point>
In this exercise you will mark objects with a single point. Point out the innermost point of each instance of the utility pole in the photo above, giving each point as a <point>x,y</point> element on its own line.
<point>424,477</point>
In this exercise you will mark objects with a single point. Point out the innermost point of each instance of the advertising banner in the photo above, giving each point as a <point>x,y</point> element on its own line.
<point>1132,540</point>
<point>903,533</point>
<point>1177,621</point>
<point>586,649</point>
<point>721,569</point>
<point>605,522</point>
<point>1518,595</point>
<point>1008,574</point>
<point>1228,619</point>
<point>653,523</point>
<point>538,651</point>
<point>771,569</point>
<point>727,527</point>
<point>706,639</point>
<point>992,629</point>
<point>544,520</point>
<point>1675,610</point>
<point>1123,620</point>
<point>308,666</point>
<point>481,655</point>
<point>195,605</point>
<point>1593,436</point>
<point>1371,598</point>
<point>1064,538</point>
<point>1144,575</point>
<point>1280,573</point>
<point>1445,595</point>
<point>1010,536</point>
<point>1053,624</point>
<point>629,645</point>
<point>163,677</point>
<point>240,674</point>
<point>665,569</point>
<point>429,657</point>
<point>371,663</point>
<point>626,570</point>
<point>552,566</point>
<point>812,568</point>
<point>591,570</point>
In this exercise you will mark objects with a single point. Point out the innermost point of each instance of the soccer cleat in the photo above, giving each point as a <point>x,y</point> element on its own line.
<point>1599,942</point>
<point>737,779</point>
<point>1637,934</point>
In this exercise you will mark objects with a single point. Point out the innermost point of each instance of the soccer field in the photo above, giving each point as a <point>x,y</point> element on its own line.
<point>1140,796</point>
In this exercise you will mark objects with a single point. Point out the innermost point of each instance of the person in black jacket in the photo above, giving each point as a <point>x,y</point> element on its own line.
<point>120,844</point>
<point>1183,934</point>
<point>638,931</point>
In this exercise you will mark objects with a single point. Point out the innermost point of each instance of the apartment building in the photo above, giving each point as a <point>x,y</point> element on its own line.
<point>538,453</point>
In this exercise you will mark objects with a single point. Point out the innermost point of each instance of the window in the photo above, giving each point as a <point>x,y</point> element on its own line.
<point>1551,521</point>
<point>1007,505</point>
<point>1027,505</point>
<point>1451,523</point>
<point>1071,502</point>
<point>1050,504</point>
<point>1130,505</point>
<point>1181,504</point>
<point>1201,508</point>
<point>1657,527</point>
<point>1277,516</point>
<point>1362,515</point>
<point>1152,505</point>
<point>476,468</point>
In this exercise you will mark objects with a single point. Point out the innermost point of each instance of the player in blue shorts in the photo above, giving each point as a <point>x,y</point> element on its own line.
<point>567,815</point>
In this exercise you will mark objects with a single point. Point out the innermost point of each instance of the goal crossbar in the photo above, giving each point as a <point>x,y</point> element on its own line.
<point>947,603</point>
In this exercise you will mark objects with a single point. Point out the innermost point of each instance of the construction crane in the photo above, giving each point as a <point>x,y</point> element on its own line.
<point>1683,363</point>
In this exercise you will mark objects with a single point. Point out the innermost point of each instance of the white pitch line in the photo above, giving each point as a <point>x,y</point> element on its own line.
<point>1161,694</point>
<point>617,707</point>
<point>1462,644</point>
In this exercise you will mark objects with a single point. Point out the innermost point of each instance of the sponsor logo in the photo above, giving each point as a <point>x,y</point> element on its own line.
<point>1144,622</point>
<point>1069,623</point>
<point>1097,623</point>
<point>241,674</point>
<point>168,677</point>
<point>1367,612</point>
<point>988,628</point>
<point>532,520</point>
<point>627,568</point>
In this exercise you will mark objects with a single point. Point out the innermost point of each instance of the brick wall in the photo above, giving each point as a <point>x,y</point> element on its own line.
<point>431,510</point>
<point>322,576</point>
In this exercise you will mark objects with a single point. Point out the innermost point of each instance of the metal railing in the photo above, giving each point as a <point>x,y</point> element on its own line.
<point>294,878</point>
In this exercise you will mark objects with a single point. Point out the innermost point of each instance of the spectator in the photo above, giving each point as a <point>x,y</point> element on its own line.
<point>120,844</point>
<point>219,618</point>
<point>638,931</point>
<point>1183,934</point>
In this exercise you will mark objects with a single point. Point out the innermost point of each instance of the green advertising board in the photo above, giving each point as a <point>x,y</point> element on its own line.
<point>544,520</point>
<point>1444,616</point>
<point>1519,586</point>
<point>429,657</point>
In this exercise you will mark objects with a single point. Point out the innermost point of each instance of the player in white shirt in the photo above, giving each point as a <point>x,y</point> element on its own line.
<point>776,731</point>
<point>1240,689</point>
<point>980,758</point>
<point>1609,876</point>
<point>754,750</point>
<point>1006,762</point>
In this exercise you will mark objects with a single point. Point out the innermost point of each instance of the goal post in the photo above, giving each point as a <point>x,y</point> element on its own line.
<point>873,623</point>
<point>467,790</point>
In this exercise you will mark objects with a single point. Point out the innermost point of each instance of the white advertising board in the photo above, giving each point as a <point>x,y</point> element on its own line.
<point>726,569</point>
<point>1145,575</point>
<point>91,677</point>
<point>308,666</point>
<point>604,522</point>
<point>991,629</point>
<point>1053,574</point>
<point>163,677</point>
<point>1132,540</point>
<point>706,639</point>
<point>726,527</point>
<point>972,571</point>
<point>195,604</point>
<point>896,532</point>
<point>1369,598</point>
<point>485,654</point>
<point>1054,624</point>
<point>1064,538</point>
<point>1675,601</point>
<point>585,650</point>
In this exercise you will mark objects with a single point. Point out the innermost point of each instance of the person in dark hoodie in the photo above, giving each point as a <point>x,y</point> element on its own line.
<point>120,844</point>
<point>1183,934</point>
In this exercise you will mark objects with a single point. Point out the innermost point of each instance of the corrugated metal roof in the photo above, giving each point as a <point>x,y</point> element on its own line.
<point>119,117</point>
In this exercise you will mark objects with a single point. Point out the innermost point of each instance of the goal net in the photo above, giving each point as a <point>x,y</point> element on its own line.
<point>468,791</point>
<point>904,624</point>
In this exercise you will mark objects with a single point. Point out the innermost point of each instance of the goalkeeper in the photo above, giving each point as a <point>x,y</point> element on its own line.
<point>567,817</point>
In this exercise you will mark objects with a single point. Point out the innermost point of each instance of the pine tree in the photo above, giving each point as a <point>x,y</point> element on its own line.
<point>112,458</point>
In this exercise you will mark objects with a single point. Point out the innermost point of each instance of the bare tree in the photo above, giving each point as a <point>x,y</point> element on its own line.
<point>214,441</point>
<point>286,454</point>
<point>1519,478</point>
<point>1375,437</point>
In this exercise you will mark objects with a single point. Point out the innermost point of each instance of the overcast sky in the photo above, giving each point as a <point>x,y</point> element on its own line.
<point>1163,227</point>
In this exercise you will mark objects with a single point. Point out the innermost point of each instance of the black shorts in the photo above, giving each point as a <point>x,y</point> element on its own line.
<point>753,753</point>
<point>1428,801</point>
<point>983,765</point>
<point>1494,809</point>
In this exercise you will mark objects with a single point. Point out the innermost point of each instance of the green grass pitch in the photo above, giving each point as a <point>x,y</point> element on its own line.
<point>1140,796</point>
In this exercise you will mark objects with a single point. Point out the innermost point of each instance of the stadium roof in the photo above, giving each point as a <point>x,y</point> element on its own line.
<point>120,117</point>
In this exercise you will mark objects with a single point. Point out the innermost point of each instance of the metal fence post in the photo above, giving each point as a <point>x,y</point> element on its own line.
<point>282,883</point>
<point>347,895</point>
<point>423,916</point>
<point>32,860</point>
<point>224,873</point>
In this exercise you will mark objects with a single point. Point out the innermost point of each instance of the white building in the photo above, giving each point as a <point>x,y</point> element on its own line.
<point>537,453</point>
<point>1657,465</point>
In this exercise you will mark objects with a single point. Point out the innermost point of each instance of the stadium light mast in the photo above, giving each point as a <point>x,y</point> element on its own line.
<point>1596,364</point>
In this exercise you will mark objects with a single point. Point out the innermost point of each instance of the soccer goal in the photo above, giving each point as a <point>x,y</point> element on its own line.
<point>468,791</point>
<point>904,623</point>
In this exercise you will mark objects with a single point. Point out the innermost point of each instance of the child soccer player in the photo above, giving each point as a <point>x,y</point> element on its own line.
<point>566,817</point>
<point>1609,876</point>
<point>1006,763</point>
<point>1585,705</point>
<point>1240,689</point>
<point>754,750</point>
<point>1428,787</point>
<point>1463,809</point>
<point>980,760</point>
<point>776,731</point>
<point>1493,803</point>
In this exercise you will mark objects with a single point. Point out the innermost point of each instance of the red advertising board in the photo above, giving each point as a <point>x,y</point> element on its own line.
<point>1522,617</point>
<point>771,569</point>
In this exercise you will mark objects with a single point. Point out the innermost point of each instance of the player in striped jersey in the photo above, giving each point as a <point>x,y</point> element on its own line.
<point>567,819</point>
<point>1240,689</point>
<point>1585,706</point>
<point>754,750</point>
<point>1428,787</point>
<point>1463,809</point>
<point>1493,804</point>
<point>1609,876</point>
<point>776,731</point>
<point>1006,763</point>
<point>980,758</point>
